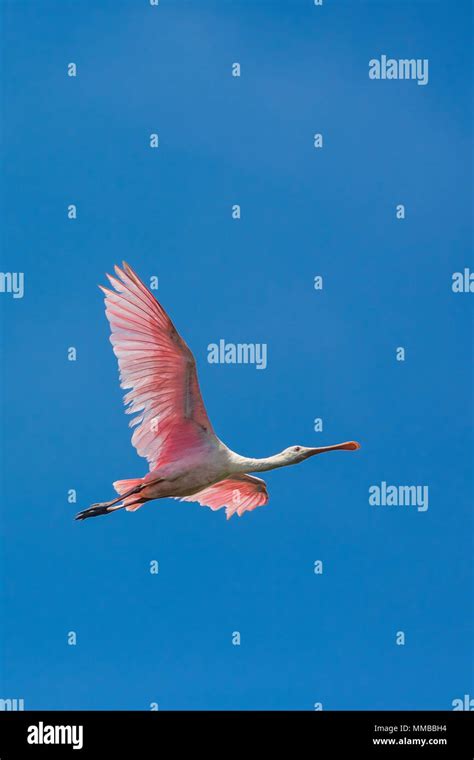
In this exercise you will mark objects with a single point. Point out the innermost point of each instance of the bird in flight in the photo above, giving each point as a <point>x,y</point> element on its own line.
<point>187,460</point>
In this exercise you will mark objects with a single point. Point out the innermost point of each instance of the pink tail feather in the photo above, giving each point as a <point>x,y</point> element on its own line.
<point>122,486</point>
<point>133,502</point>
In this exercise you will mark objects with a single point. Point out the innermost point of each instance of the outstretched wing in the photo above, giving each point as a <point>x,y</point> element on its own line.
<point>158,367</point>
<point>240,493</point>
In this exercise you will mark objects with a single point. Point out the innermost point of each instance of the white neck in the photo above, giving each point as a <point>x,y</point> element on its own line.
<point>247,464</point>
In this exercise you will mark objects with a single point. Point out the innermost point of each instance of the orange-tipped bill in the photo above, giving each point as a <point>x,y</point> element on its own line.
<point>347,446</point>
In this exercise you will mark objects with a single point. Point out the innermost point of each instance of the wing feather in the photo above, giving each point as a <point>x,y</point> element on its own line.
<point>156,368</point>
<point>240,493</point>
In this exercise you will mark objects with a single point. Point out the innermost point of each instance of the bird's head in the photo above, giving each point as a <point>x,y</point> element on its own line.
<point>295,454</point>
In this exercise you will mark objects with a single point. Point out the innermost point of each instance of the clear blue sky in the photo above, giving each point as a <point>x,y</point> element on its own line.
<point>305,638</point>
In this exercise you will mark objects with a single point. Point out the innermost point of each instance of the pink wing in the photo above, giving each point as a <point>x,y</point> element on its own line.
<point>158,367</point>
<point>240,493</point>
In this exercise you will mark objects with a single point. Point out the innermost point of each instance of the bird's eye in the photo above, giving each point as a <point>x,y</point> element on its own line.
<point>297,448</point>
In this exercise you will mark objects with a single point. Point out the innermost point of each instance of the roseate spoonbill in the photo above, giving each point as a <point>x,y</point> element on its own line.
<point>172,430</point>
